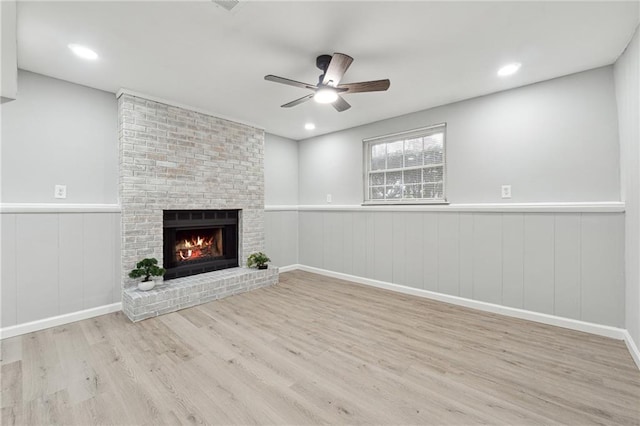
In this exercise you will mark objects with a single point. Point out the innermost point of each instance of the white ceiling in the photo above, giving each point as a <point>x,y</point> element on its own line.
<point>198,54</point>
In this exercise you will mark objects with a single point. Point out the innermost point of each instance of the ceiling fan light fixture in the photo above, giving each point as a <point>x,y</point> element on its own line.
<point>325,95</point>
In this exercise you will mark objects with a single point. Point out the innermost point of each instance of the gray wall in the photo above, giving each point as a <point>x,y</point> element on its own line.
<point>59,133</point>
<point>564,264</point>
<point>281,189</point>
<point>8,49</point>
<point>280,170</point>
<point>555,141</point>
<point>627,74</point>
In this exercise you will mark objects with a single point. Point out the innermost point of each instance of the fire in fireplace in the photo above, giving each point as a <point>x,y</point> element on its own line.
<point>198,245</point>
<point>197,241</point>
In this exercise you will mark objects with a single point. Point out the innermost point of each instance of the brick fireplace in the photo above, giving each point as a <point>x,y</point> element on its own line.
<point>177,159</point>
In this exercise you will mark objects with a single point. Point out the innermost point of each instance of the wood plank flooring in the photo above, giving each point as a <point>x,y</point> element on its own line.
<point>316,350</point>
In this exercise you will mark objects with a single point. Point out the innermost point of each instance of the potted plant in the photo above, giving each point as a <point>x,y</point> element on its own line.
<point>258,260</point>
<point>147,268</point>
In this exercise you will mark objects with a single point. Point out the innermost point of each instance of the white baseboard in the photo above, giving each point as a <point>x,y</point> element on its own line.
<point>601,330</point>
<point>587,327</point>
<point>288,268</point>
<point>29,327</point>
<point>633,348</point>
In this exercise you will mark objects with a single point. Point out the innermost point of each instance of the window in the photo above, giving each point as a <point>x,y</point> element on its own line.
<point>407,167</point>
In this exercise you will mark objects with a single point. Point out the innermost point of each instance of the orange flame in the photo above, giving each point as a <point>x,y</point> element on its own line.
<point>194,248</point>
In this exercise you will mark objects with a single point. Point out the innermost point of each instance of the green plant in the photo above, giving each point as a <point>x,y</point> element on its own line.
<point>147,268</point>
<point>257,260</point>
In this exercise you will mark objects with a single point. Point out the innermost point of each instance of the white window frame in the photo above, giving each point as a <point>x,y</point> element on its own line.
<point>401,136</point>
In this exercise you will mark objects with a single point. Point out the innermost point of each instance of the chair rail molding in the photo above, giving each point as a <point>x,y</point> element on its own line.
<point>58,208</point>
<point>577,207</point>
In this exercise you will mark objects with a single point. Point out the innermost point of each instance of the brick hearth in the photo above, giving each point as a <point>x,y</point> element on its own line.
<point>185,292</point>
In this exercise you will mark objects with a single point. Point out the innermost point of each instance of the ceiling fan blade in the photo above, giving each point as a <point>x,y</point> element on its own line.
<point>341,105</point>
<point>336,69</point>
<point>298,101</point>
<point>288,82</point>
<point>366,86</point>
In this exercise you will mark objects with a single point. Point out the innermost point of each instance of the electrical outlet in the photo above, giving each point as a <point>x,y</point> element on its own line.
<point>328,198</point>
<point>60,191</point>
<point>506,191</point>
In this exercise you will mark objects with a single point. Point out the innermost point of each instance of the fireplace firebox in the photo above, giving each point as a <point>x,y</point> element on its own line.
<point>198,241</point>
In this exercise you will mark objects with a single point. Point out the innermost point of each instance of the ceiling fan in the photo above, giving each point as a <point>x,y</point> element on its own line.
<point>329,90</point>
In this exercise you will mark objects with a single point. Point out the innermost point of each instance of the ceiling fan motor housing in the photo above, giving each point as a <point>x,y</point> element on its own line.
<point>323,61</point>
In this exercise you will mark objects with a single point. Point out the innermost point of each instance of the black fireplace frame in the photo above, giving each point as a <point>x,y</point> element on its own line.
<point>182,220</point>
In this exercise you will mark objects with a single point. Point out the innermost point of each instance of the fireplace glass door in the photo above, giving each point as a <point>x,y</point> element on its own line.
<point>197,241</point>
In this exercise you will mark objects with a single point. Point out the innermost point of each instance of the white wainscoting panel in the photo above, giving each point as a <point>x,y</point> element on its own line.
<point>410,246</point>
<point>430,250</point>
<point>358,236</point>
<point>347,241</point>
<point>567,277</point>
<point>333,241</point>
<point>281,236</point>
<point>58,263</point>
<point>513,260</point>
<point>37,266</point>
<point>71,274</point>
<point>449,253</point>
<point>556,263</point>
<point>466,254</point>
<point>487,257</point>
<point>539,261</point>
<point>370,239</point>
<point>9,283</point>
<point>383,246</point>
<point>398,251</point>
<point>99,257</point>
<point>602,268</point>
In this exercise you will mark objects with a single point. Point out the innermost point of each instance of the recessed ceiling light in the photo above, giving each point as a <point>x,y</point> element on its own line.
<point>325,95</point>
<point>309,126</point>
<point>83,52</point>
<point>509,69</point>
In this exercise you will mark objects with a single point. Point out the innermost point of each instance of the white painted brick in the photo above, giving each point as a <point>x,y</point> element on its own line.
<point>172,158</point>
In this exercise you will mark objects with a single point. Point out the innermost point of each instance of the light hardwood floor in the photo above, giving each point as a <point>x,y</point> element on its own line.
<point>315,350</point>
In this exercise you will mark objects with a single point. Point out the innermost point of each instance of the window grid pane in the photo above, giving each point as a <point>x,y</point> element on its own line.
<point>379,157</point>
<point>395,155</point>
<point>376,179</point>
<point>432,175</point>
<point>413,149</point>
<point>376,193</point>
<point>412,176</point>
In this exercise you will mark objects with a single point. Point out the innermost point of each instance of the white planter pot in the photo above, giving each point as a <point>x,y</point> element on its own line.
<point>146,285</point>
